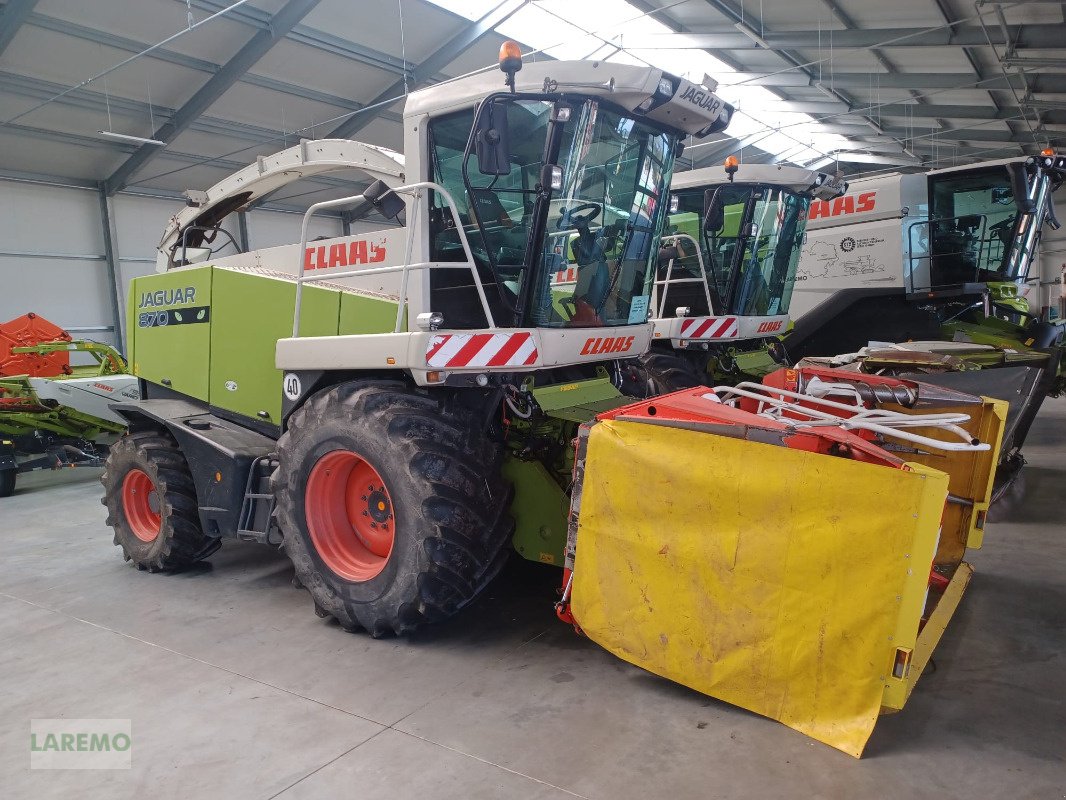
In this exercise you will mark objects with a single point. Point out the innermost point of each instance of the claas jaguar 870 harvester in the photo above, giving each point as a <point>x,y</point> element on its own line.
<point>399,409</point>
<point>420,386</point>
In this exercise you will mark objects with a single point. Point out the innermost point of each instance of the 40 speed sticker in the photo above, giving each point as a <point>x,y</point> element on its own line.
<point>292,386</point>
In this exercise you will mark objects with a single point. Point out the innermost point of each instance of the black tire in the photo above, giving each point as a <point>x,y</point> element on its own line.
<point>180,542</point>
<point>441,474</point>
<point>656,373</point>
<point>7,481</point>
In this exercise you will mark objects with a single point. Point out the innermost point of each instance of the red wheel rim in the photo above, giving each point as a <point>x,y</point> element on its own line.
<point>349,515</point>
<point>138,498</point>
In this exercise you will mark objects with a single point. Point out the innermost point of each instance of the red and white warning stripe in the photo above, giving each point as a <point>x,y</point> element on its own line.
<point>710,328</point>
<point>456,350</point>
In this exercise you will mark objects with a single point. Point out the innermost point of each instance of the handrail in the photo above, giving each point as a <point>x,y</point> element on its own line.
<point>669,280</point>
<point>416,191</point>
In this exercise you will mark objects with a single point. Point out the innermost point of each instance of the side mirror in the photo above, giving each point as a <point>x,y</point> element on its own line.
<point>1019,182</point>
<point>713,211</point>
<point>492,139</point>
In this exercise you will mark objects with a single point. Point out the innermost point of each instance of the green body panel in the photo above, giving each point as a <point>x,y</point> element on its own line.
<point>541,501</point>
<point>1005,293</point>
<point>249,313</point>
<point>755,364</point>
<point>222,327</point>
<point>991,331</point>
<point>581,401</point>
<point>176,353</point>
<point>540,509</point>
<point>366,314</point>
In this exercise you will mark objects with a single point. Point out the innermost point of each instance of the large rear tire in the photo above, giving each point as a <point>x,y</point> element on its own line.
<point>151,503</point>
<point>393,506</point>
<point>7,481</point>
<point>656,373</point>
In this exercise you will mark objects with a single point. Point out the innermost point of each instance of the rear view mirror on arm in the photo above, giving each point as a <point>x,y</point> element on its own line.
<point>492,139</point>
<point>1019,181</point>
<point>713,211</point>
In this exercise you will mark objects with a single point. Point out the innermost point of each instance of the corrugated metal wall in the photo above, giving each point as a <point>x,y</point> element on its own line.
<point>52,251</point>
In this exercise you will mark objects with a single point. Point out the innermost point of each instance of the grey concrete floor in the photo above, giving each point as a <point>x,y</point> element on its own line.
<point>236,690</point>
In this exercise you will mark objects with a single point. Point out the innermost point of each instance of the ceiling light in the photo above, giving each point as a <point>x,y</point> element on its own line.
<point>127,138</point>
<point>751,34</point>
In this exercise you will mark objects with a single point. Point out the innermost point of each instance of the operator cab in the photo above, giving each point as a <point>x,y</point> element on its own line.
<point>984,223</point>
<point>578,192</point>
<point>751,235</point>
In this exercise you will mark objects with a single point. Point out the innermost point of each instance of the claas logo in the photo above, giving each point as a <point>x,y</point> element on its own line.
<point>595,345</point>
<point>848,204</point>
<point>343,255</point>
<point>770,327</point>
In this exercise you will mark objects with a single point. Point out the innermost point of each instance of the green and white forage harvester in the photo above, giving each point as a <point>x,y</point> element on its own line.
<point>397,408</point>
<point>726,271</point>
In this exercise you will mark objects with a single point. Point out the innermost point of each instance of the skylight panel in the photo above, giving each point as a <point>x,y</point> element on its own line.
<point>471,9</point>
<point>569,29</point>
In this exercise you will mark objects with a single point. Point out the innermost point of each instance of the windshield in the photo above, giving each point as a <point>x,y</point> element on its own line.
<point>976,232</point>
<point>580,256</point>
<point>771,253</point>
<point>751,259</point>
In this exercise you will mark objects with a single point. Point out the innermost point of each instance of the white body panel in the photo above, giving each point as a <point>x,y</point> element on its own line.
<point>864,239</point>
<point>691,108</point>
<point>384,248</point>
<point>798,179</point>
<point>89,395</point>
<point>684,332</point>
<point>856,241</point>
<point>465,351</point>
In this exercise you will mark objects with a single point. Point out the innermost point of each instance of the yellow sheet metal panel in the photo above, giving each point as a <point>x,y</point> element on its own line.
<point>971,474</point>
<point>898,689</point>
<point>770,578</point>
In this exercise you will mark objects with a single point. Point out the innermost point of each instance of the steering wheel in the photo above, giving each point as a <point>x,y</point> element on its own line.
<point>572,218</point>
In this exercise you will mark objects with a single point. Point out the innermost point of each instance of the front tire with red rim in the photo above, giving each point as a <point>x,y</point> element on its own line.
<point>151,503</point>
<point>392,503</point>
<point>349,515</point>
